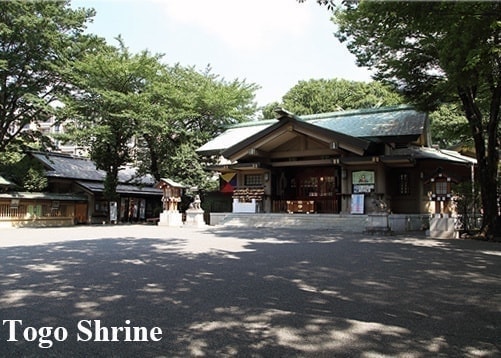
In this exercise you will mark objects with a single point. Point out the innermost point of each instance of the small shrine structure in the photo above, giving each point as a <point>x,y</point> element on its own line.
<point>172,193</point>
<point>442,223</point>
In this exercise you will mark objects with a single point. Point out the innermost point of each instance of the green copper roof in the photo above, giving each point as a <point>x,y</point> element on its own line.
<point>373,124</point>
<point>232,136</point>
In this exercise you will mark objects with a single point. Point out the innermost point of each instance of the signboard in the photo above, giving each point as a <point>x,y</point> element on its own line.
<point>363,181</point>
<point>357,203</point>
<point>113,211</point>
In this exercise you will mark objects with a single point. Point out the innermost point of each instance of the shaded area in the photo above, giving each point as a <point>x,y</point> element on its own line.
<point>259,293</point>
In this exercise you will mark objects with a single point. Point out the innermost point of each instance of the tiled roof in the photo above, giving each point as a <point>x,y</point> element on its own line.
<point>369,124</point>
<point>121,188</point>
<point>375,123</point>
<point>282,126</point>
<point>170,182</point>
<point>66,166</point>
<point>232,136</point>
<point>433,153</point>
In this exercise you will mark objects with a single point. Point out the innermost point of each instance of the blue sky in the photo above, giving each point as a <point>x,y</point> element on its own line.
<point>273,43</point>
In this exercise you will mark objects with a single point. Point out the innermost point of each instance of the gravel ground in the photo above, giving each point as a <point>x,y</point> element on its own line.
<point>151,291</point>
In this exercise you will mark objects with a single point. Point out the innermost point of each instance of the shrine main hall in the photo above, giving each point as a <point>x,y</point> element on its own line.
<point>347,162</point>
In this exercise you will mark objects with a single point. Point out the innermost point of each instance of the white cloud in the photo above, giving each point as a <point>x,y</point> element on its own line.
<point>242,25</point>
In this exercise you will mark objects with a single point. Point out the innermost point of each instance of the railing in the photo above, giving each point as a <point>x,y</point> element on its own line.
<point>28,211</point>
<point>6,211</point>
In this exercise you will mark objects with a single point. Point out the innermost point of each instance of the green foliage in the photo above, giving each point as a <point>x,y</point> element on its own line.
<point>38,42</point>
<point>109,83</point>
<point>185,166</point>
<point>206,103</point>
<point>449,126</point>
<point>322,96</point>
<point>467,204</point>
<point>8,158</point>
<point>181,112</point>
<point>124,107</point>
<point>427,49</point>
<point>438,52</point>
<point>35,180</point>
<point>131,107</point>
<point>24,171</point>
<point>268,111</point>
<point>329,4</point>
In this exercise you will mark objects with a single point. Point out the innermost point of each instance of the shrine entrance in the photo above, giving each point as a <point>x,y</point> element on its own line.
<point>306,190</point>
<point>292,167</point>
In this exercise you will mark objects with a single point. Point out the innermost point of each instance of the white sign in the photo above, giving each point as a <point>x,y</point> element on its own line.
<point>113,211</point>
<point>357,203</point>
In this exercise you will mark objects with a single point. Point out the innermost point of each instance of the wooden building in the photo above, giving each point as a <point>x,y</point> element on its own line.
<point>75,195</point>
<point>343,162</point>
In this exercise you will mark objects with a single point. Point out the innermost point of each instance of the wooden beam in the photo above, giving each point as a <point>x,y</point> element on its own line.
<point>299,163</point>
<point>259,143</point>
<point>302,153</point>
<point>257,152</point>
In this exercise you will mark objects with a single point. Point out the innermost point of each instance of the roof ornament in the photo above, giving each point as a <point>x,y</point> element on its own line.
<point>281,113</point>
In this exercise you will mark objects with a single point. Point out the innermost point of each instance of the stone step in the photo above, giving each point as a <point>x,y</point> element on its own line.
<point>346,223</point>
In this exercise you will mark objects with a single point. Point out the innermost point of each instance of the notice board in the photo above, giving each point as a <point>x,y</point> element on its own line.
<point>357,203</point>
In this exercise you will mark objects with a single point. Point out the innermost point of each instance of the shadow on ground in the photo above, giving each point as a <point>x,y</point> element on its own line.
<point>259,293</point>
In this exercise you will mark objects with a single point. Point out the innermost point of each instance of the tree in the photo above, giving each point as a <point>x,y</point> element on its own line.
<point>449,126</point>
<point>438,52</point>
<point>322,96</point>
<point>38,42</point>
<point>186,109</point>
<point>268,111</point>
<point>25,171</point>
<point>108,83</point>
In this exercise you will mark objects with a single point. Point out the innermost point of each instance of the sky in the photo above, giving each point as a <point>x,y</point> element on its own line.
<point>272,43</point>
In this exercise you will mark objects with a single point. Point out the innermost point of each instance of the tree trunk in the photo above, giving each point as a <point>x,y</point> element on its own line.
<point>487,160</point>
<point>153,157</point>
<point>493,147</point>
<point>111,183</point>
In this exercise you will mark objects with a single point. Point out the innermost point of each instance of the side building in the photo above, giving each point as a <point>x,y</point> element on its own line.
<point>75,196</point>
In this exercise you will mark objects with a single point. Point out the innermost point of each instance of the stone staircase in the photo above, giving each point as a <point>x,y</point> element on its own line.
<point>338,222</point>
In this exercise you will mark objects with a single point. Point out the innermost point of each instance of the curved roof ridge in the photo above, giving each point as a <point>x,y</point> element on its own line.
<point>310,117</point>
<point>351,112</point>
<point>251,123</point>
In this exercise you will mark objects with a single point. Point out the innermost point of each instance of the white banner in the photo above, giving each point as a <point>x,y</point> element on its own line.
<point>357,203</point>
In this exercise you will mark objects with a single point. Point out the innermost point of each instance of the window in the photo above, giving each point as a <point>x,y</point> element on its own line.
<point>14,204</point>
<point>403,184</point>
<point>253,180</point>
<point>441,187</point>
<point>101,206</point>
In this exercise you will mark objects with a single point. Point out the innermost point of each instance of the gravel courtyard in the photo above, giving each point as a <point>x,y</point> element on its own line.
<point>219,292</point>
